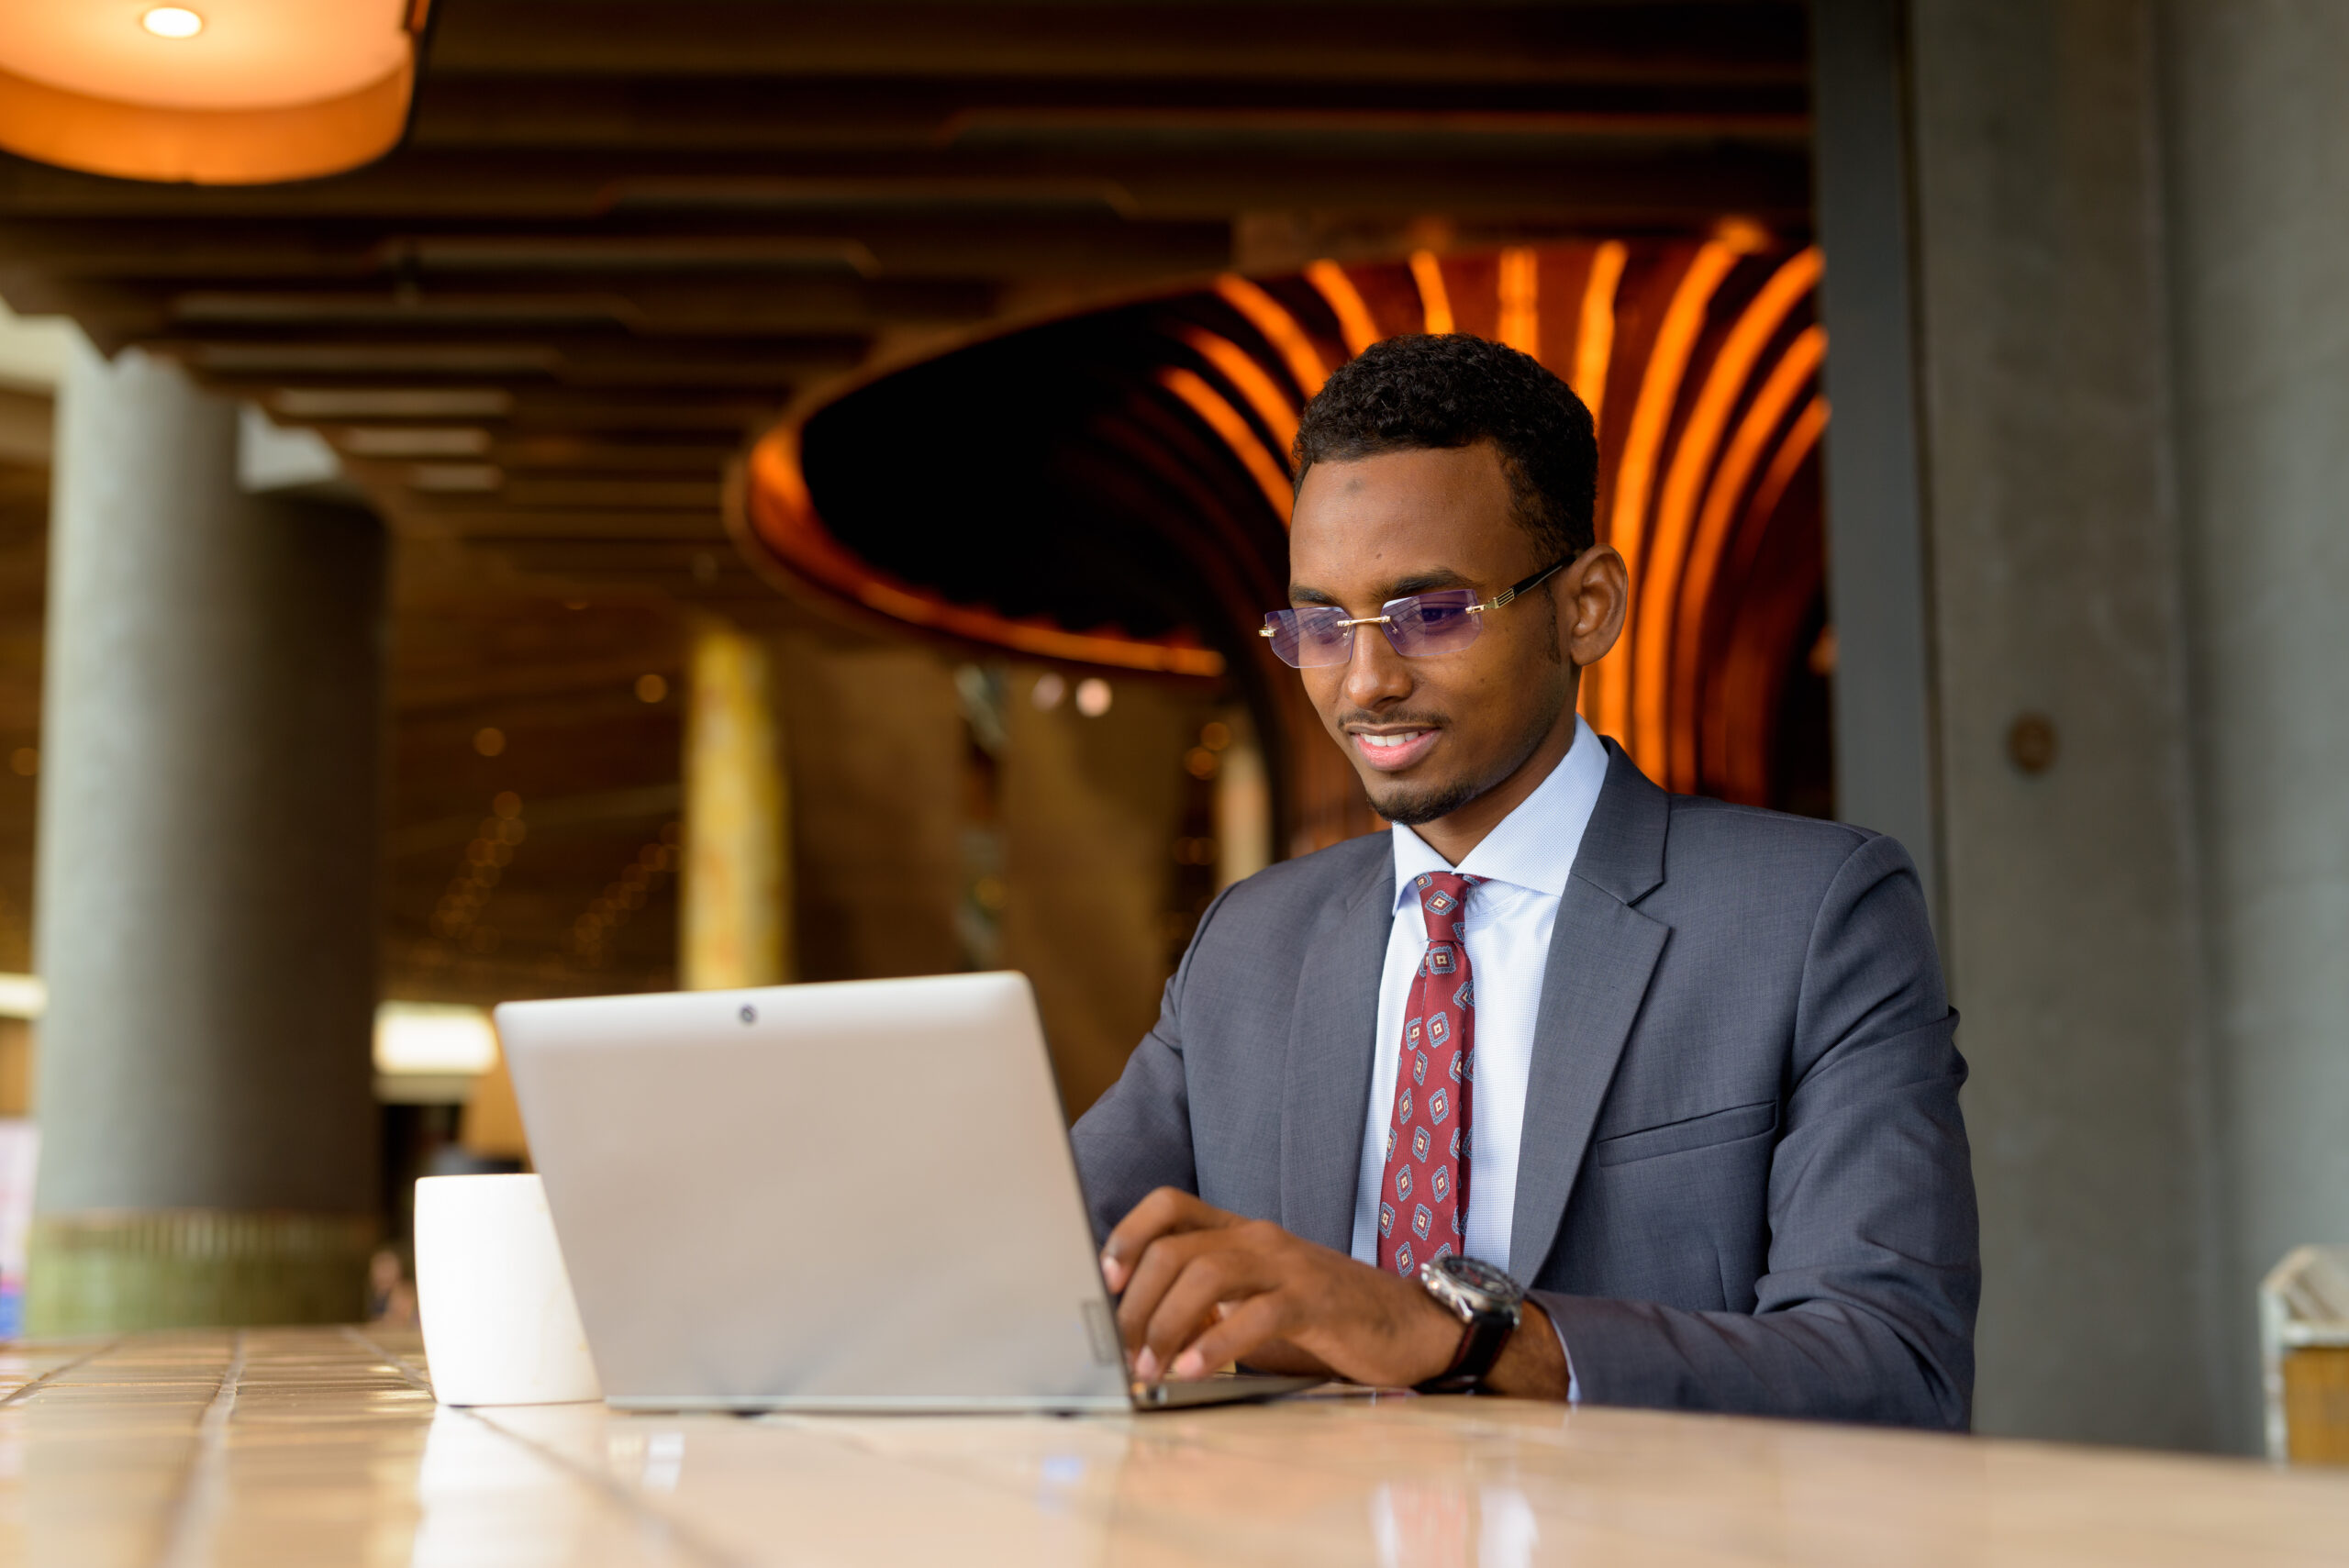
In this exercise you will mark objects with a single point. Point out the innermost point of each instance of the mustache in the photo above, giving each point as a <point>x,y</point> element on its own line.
<point>1364,715</point>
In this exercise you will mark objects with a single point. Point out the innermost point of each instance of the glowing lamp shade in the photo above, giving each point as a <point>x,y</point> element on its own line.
<point>213,92</point>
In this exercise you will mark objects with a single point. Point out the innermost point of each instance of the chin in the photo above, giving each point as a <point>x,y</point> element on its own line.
<point>1412,805</point>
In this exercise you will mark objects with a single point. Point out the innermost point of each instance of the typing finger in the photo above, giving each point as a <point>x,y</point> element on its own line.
<point>1154,1273</point>
<point>1221,1276</point>
<point>1166,1211</point>
<point>1240,1332</point>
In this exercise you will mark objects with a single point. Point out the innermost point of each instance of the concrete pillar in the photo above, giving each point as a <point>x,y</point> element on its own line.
<point>735,916</point>
<point>2071,888</point>
<point>2258,137</point>
<point>206,894</point>
<point>1875,528</point>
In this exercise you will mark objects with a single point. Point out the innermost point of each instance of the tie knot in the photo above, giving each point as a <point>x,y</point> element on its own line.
<point>1442,895</point>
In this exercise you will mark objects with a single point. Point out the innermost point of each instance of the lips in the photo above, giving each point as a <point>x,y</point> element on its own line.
<point>1393,750</point>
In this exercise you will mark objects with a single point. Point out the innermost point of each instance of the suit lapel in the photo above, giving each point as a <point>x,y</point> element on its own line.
<point>1602,953</point>
<point>1332,1033</point>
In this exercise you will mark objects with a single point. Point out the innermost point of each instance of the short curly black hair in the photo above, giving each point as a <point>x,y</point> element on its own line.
<point>1447,390</point>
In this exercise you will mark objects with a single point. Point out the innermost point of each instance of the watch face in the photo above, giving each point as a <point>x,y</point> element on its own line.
<point>1481,1279</point>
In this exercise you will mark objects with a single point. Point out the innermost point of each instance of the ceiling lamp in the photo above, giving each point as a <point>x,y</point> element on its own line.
<point>172,22</point>
<point>215,92</point>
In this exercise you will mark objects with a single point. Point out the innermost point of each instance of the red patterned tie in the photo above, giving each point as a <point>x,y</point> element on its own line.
<point>1423,1197</point>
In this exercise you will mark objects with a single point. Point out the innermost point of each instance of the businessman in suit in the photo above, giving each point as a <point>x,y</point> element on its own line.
<point>1675,1080</point>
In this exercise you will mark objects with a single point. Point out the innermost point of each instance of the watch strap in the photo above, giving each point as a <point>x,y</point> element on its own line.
<point>1480,1346</point>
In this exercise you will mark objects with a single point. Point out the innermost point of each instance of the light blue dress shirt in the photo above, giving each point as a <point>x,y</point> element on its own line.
<point>1510,918</point>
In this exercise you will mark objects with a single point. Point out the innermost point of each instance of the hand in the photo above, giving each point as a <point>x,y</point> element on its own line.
<point>1199,1287</point>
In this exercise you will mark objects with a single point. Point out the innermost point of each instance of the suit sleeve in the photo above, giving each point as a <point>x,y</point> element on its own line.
<point>1137,1137</point>
<point>1866,1311</point>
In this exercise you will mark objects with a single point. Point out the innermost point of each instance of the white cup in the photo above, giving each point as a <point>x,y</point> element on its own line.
<point>500,1325</point>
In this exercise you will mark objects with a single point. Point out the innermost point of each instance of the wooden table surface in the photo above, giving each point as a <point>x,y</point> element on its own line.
<point>324,1447</point>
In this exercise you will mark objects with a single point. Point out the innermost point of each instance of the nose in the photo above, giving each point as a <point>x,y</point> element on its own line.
<point>1375,674</point>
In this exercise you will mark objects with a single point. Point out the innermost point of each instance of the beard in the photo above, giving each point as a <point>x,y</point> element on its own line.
<point>1402,803</point>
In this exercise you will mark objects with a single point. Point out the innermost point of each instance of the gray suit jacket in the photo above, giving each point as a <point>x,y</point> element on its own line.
<point>1743,1184</point>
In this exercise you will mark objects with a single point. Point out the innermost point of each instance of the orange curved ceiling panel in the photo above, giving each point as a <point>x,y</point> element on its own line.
<point>1233,364</point>
<point>1270,473</point>
<point>1658,589</point>
<point>1595,340</point>
<point>1796,372</point>
<point>1280,328</point>
<point>1436,300</point>
<point>1345,302</point>
<point>1521,300</point>
<point>1714,346</point>
<point>1642,452</point>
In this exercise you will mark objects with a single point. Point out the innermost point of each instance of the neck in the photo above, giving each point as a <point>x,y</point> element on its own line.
<point>1454,835</point>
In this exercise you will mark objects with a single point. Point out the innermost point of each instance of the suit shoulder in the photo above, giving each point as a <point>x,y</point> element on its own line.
<point>1729,820</point>
<point>1706,833</point>
<point>1739,881</point>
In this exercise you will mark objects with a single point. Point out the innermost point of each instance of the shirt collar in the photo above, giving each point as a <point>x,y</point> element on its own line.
<point>1534,846</point>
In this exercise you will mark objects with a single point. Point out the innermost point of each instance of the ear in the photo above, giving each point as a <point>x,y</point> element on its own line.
<point>1593,596</point>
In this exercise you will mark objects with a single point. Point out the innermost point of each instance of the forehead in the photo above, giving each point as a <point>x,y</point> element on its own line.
<point>1379,519</point>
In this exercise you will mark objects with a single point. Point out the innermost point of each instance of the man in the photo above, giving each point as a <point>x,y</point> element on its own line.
<point>1566,1088</point>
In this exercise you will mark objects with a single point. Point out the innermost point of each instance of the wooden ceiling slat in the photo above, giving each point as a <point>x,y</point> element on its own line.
<point>617,360</point>
<point>731,306</point>
<point>1012,185</point>
<point>574,413</point>
<point>652,524</point>
<point>699,495</point>
<point>1256,40</point>
<point>896,117</point>
<point>571,455</point>
<point>205,248</point>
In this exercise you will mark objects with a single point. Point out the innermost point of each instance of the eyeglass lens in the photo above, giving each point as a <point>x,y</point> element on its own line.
<point>1419,626</point>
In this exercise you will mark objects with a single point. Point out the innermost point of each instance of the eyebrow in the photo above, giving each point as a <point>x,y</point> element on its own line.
<point>1400,588</point>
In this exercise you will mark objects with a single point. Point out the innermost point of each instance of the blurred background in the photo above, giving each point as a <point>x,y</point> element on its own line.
<point>509,498</point>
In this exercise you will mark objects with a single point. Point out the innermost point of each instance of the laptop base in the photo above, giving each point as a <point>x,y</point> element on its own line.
<point>1239,1388</point>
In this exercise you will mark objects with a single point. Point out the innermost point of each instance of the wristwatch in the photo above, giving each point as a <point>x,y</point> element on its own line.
<point>1484,1298</point>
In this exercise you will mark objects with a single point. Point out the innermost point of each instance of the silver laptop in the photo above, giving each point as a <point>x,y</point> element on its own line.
<point>854,1196</point>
